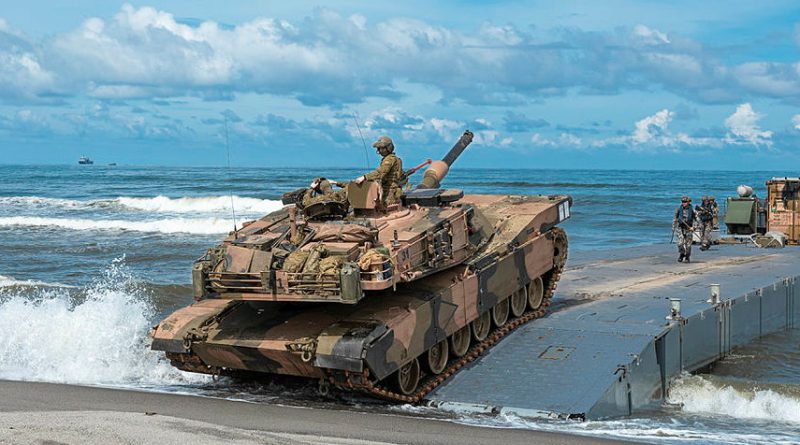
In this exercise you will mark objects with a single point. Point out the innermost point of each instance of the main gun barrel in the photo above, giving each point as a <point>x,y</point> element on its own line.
<point>438,169</point>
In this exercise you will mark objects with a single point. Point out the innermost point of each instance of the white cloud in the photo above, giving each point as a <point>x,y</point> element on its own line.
<point>539,140</point>
<point>446,128</point>
<point>654,132</point>
<point>486,137</point>
<point>743,127</point>
<point>22,75</point>
<point>796,121</point>
<point>563,140</point>
<point>569,139</point>
<point>769,79</point>
<point>650,36</point>
<point>25,122</point>
<point>652,128</point>
<point>330,59</point>
<point>506,35</point>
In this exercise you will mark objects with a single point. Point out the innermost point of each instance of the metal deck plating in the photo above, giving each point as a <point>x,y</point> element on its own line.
<point>608,349</point>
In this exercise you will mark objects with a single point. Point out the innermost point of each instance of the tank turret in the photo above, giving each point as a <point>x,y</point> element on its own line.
<point>360,295</point>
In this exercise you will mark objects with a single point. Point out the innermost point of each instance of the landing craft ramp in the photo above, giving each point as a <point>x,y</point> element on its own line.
<point>607,348</point>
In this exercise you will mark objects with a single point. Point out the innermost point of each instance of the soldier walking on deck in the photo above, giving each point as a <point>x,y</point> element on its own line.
<point>715,220</point>
<point>683,225</point>
<point>389,173</point>
<point>705,212</point>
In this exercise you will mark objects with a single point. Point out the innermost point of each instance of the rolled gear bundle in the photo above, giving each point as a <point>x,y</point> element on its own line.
<point>295,261</point>
<point>329,269</point>
<point>374,261</point>
<point>331,265</point>
<point>315,256</point>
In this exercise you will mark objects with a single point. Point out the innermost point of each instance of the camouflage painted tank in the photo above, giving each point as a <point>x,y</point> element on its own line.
<point>360,295</point>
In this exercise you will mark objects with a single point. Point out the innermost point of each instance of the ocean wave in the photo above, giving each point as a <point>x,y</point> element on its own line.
<point>102,339</point>
<point>206,226</point>
<point>157,204</point>
<point>664,430</point>
<point>201,204</point>
<point>39,201</point>
<point>699,394</point>
<point>6,281</point>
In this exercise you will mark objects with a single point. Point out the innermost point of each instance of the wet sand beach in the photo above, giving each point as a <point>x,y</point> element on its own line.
<point>46,413</point>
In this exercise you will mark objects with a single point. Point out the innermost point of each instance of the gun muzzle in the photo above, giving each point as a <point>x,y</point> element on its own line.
<point>438,169</point>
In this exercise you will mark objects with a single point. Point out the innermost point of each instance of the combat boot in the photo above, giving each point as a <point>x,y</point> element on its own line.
<point>680,258</point>
<point>686,259</point>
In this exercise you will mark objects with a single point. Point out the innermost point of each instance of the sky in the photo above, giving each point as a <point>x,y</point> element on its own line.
<point>570,84</point>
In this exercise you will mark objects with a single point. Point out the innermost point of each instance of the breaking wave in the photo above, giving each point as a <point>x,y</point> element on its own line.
<point>701,395</point>
<point>158,204</point>
<point>207,226</point>
<point>205,204</point>
<point>13,282</point>
<point>101,338</point>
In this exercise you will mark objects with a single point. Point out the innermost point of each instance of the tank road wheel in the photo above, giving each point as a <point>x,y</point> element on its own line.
<point>459,342</point>
<point>437,357</point>
<point>481,327</point>
<point>535,293</point>
<point>519,301</point>
<point>408,378</point>
<point>500,312</point>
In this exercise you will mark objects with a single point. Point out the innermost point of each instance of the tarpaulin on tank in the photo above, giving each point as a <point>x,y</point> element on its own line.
<point>348,233</point>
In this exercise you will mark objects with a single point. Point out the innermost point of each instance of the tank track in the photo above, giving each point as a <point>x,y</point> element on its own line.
<point>364,382</point>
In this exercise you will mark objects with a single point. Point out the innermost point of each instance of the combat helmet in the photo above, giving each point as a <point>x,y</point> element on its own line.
<point>384,142</point>
<point>685,198</point>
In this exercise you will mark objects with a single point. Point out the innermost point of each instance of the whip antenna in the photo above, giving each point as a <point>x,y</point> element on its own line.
<point>366,151</point>
<point>230,189</point>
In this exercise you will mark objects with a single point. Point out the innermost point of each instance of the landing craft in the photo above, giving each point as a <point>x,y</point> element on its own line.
<point>360,295</point>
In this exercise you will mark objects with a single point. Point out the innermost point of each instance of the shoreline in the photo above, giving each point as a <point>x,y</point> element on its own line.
<point>35,412</point>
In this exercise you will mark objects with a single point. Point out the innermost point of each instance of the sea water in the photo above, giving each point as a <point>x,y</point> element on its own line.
<point>92,258</point>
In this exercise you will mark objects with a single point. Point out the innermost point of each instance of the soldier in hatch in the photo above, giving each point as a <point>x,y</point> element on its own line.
<point>683,225</point>
<point>320,190</point>
<point>389,173</point>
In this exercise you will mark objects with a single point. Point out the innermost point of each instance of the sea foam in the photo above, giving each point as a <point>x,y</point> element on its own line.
<point>699,394</point>
<point>201,204</point>
<point>200,226</point>
<point>157,204</point>
<point>101,340</point>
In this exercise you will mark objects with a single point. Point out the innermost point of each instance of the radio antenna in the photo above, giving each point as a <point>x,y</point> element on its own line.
<point>230,188</point>
<point>366,151</point>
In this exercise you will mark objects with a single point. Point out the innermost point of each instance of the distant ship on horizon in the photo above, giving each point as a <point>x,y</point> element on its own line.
<point>84,160</point>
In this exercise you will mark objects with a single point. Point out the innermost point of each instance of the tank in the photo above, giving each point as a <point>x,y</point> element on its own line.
<point>360,295</point>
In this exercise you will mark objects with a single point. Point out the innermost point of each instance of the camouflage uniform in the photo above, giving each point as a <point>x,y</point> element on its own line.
<point>320,191</point>
<point>705,213</point>
<point>389,174</point>
<point>715,206</point>
<point>682,225</point>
